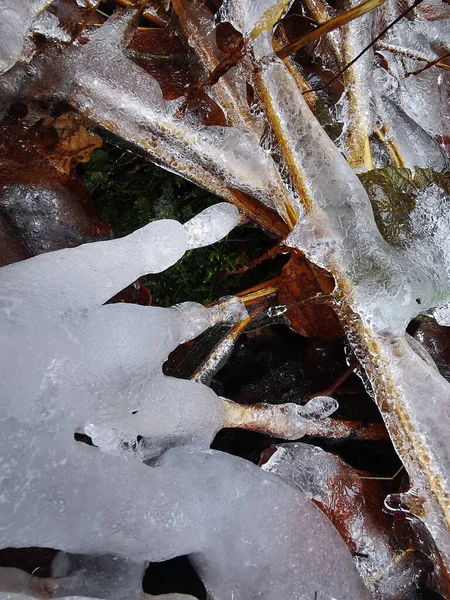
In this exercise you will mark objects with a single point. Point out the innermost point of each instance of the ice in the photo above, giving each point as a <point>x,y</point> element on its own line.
<point>360,116</point>
<point>384,286</point>
<point>230,91</point>
<point>442,315</point>
<point>114,378</point>
<point>16,17</point>
<point>422,96</point>
<point>353,504</point>
<point>47,25</point>
<point>104,576</point>
<point>416,146</point>
<point>200,494</point>
<point>103,84</point>
<point>251,18</point>
<point>318,407</point>
<point>339,228</point>
<point>88,3</point>
<point>73,365</point>
<point>211,225</point>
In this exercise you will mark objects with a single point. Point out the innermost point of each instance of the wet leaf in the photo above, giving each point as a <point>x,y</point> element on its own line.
<point>73,143</point>
<point>353,500</point>
<point>300,281</point>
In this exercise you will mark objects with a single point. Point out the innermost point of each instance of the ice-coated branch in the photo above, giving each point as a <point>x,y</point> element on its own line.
<point>381,287</point>
<point>107,87</point>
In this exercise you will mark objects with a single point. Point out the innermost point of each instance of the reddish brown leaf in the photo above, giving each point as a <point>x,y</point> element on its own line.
<point>300,281</point>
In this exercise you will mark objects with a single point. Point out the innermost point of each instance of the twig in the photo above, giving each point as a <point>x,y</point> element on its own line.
<point>328,26</point>
<point>334,386</point>
<point>433,63</point>
<point>257,292</point>
<point>374,41</point>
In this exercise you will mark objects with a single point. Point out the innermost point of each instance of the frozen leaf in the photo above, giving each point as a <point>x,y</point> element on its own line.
<point>74,143</point>
<point>353,502</point>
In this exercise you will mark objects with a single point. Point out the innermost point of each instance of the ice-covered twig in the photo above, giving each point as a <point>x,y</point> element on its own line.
<point>381,288</point>
<point>106,86</point>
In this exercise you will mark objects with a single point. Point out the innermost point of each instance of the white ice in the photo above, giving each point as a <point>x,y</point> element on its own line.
<point>74,365</point>
<point>16,17</point>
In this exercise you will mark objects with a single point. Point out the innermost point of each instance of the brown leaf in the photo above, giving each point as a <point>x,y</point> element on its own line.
<point>300,281</point>
<point>354,503</point>
<point>73,142</point>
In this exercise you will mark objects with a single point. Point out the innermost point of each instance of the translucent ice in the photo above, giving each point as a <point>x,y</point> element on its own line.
<point>16,17</point>
<point>384,286</point>
<point>102,83</point>
<point>354,504</point>
<point>253,17</point>
<point>47,25</point>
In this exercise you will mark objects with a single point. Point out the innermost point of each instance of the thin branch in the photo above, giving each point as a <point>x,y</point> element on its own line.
<point>433,63</point>
<point>374,41</point>
<point>328,26</point>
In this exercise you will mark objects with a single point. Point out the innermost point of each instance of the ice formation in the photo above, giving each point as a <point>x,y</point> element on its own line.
<point>16,17</point>
<point>353,504</point>
<point>384,286</point>
<point>420,100</point>
<point>105,85</point>
<point>96,369</point>
<point>86,377</point>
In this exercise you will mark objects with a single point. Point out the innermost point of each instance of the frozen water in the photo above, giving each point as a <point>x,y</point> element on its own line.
<point>251,18</point>
<point>340,228</point>
<point>72,364</point>
<point>385,286</point>
<point>416,146</point>
<point>353,504</point>
<point>442,315</point>
<point>48,25</point>
<point>116,372</point>
<point>211,225</point>
<point>360,116</point>
<point>318,407</point>
<point>102,83</point>
<point>16,17</point>
<point>88,3</point>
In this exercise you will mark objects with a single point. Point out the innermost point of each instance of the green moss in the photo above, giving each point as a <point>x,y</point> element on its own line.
<point>130,193</point>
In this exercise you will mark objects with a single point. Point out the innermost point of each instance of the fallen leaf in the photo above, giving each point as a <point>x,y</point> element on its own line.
<point>299,282</point>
